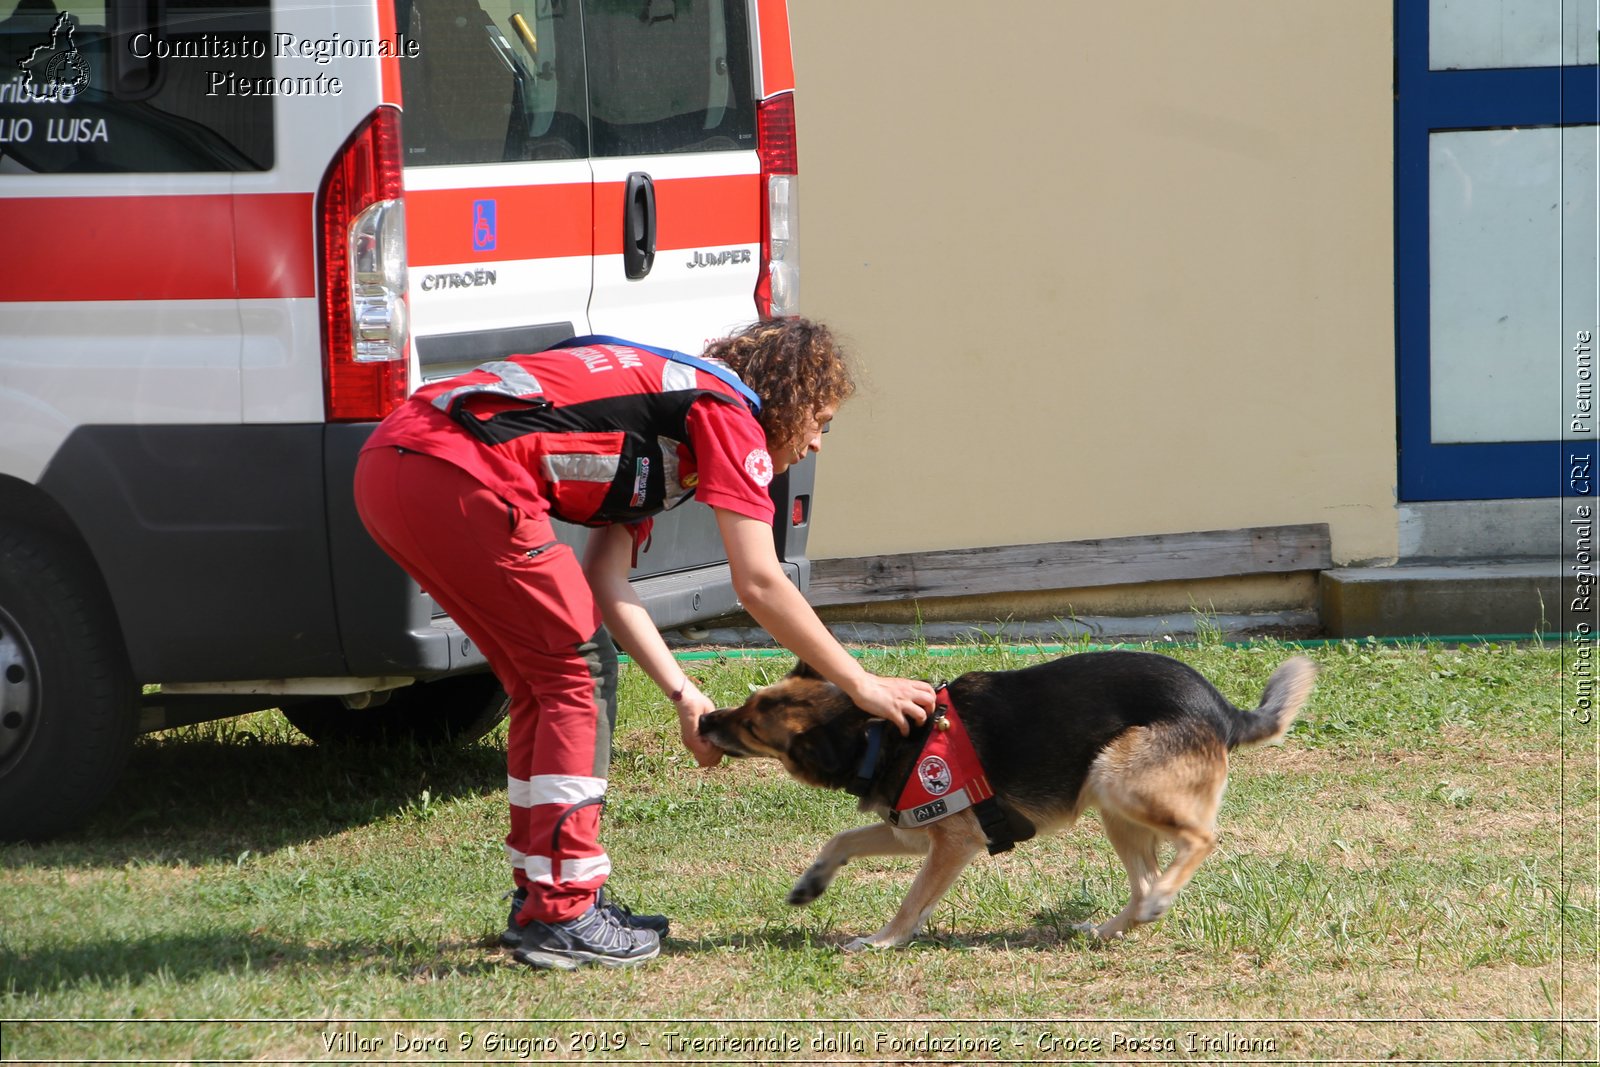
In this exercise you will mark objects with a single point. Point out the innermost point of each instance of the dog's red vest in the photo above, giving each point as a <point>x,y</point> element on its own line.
<point>948,777</point>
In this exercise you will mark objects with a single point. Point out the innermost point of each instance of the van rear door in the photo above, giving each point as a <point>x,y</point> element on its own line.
<point>498,188</point>
<point>677,178</point>
<point>677,195</point>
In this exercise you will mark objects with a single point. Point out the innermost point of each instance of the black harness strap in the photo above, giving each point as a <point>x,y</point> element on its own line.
<point>997,833</point>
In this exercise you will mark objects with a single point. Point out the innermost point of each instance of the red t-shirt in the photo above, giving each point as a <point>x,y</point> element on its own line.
<point>727,457</point>
<point>721,459</point>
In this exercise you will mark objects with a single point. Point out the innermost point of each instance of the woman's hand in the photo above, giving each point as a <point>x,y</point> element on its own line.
<point>903,701</point>
<point>691,705</point>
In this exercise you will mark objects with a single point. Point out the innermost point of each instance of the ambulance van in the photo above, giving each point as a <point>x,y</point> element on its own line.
<point>236,234</point>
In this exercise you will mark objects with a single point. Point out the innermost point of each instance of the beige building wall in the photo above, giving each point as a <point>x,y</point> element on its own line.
<point>1109,268</point>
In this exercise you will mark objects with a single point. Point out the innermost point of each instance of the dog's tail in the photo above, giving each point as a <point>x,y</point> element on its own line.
<point>1286,691</point>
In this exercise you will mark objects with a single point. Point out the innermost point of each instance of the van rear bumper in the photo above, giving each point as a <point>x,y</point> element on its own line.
<point>235,552</point>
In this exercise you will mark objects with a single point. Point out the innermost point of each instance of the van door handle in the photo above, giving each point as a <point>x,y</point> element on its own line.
<point>639,225</point>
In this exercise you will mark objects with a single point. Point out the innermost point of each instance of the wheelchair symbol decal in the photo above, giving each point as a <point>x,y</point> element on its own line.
<point>484,232</point>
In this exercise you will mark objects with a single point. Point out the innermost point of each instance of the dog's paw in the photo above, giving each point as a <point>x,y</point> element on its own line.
<point>1153,909</point>
<point>807,889</point>
<point>883,939</point>
<point>1101,933</point>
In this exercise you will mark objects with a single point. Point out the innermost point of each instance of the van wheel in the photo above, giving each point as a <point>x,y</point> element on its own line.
<point>68,713</point>
<point>456,710</point>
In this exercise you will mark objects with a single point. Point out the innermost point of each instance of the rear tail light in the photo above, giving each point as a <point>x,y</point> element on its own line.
<point>366,328</point>
<point>797,517</point>
<point>778,288</point>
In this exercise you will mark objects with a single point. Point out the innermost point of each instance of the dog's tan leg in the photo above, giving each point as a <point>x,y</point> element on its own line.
<point>952,844</point>
<point>1167,788</point>
<point>1136,845</point>
<point>1193,844</point>
<point>879,839</point>
<point>1188,818</point>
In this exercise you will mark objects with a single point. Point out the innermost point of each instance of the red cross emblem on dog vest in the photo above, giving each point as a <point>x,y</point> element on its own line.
<point>947,777</point>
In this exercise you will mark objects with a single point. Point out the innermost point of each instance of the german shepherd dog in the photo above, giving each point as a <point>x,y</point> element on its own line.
<point>1137,735</point>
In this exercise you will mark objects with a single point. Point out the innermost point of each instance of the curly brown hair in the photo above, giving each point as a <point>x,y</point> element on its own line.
<point>795,366</point>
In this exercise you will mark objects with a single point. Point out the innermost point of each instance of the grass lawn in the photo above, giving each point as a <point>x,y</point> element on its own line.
<point>1411,877</point>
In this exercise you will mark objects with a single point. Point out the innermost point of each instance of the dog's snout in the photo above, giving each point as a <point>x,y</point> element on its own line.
<point>720,728</point>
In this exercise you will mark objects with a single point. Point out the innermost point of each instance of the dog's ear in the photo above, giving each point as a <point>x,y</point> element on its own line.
<point>802,669</point>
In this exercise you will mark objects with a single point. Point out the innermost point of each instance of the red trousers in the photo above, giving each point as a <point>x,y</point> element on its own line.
<point>521,596</point>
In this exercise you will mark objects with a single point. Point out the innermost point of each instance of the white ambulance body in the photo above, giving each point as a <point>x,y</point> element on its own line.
<point>237,234</point>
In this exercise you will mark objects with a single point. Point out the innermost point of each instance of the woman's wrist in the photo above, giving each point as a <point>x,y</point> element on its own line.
<point>858,683</point>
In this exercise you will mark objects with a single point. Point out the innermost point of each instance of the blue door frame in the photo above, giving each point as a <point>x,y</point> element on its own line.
<point>1425,101</point>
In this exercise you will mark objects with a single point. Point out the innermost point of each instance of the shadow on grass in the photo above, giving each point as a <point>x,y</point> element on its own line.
<point>789,939</point>
<point>203,799</point>
<point>1052,929</point>
<point>185,957</point>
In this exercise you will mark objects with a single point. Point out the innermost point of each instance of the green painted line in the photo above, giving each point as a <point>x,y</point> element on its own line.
<point>699,655</point>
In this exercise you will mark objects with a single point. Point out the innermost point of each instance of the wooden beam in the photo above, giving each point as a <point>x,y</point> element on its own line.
<point>1071,564</point>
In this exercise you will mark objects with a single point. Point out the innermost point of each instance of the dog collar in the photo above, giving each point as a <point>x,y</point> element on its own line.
<point>867,766</point>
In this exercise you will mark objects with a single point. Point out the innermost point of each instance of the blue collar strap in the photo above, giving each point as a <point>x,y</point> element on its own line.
<point>867,768</point>
<point>723,374</point>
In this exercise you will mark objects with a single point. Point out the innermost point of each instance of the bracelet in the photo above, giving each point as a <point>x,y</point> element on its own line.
<point>677,694</point>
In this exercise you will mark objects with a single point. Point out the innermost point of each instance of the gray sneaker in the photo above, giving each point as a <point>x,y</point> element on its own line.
<point>596,936</point>
<point>512,937</point>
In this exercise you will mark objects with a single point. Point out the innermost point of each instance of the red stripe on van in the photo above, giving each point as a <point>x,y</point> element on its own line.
<point>159,247</point>
<point>531,222</point>
<point>690,213</point>
<point>777,58</point>
<point>277,245</point>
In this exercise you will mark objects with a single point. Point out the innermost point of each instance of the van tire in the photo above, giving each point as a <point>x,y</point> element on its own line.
<point>457,710</point>
<point>68,713</point>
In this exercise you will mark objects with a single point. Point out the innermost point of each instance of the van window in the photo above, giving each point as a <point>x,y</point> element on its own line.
<point>668,76</point>
<point>494,82</point>
<point>136,86</point>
